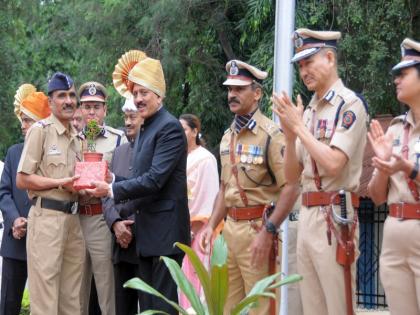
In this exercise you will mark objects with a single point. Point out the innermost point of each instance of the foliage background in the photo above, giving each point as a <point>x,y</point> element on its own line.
<point>194,39</point>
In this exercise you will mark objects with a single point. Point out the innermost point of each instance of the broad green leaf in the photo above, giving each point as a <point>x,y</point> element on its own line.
<point>261,285</point>
<point>220,252</point>
<point>201,271</point>
<point>219,287</point>
<point>138,284</point>
<point>184,284</point>
<point>287,280</point>
<point>249,302</point>
<point>151,312</point>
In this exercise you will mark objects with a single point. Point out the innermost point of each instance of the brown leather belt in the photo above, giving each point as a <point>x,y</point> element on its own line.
<point>323,198</point>
<point>246,213</point>
<point>93,209</point>
<point>405,210</point>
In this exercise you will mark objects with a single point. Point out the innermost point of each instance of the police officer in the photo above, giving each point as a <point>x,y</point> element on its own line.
<point>55,245</point>
<point>93,97</point>
<point>396,181</point>
<point>30,107</point>
<point>325,148</point>
<point>252,177</point>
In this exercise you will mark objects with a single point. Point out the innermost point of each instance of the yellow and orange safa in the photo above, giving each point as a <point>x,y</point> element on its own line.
<point>134,67</point>
<point>30,102</point>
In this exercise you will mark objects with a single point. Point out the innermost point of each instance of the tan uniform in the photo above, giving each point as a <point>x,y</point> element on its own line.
<point>55,243</point>
<point>98,238</point>
<point>400,255</point>
<point>260,188</point>
<point>322,287</point>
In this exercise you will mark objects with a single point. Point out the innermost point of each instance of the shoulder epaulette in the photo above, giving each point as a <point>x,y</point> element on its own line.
<point>226,131</point>
<point>398,119</point>
<point>115,131</point>
<point>270,127</point>
<point>42,123</point>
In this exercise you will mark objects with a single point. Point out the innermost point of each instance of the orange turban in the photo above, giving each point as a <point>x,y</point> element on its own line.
<point>32,103</point>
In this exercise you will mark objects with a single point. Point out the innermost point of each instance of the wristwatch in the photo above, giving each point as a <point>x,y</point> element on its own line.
<point>270,227</point>
<point>414,172</point>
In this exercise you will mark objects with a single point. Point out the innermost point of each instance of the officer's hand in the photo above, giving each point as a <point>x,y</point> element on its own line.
<point>381,143</point>
<point>67,183</point>
<point>289,113</point>
<point>19,228</point>
<point>396,164</point>
<point>260,247</point>
<point>123,232</point>
<point>101,189</point>
<point>204,239</point>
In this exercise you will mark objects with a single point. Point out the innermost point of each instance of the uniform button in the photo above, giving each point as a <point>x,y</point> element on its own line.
<point>138,212</point>
<point>130,168</point>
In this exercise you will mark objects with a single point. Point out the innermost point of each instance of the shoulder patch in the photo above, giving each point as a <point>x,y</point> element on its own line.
<point>349,117</point>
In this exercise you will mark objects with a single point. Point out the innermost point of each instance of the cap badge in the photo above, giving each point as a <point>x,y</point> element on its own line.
<point>92,89</point>
<point>402,51</point>
<point>234,70</point>
<point>298,41</point>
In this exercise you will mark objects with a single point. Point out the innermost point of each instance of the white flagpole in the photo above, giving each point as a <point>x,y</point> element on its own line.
<point>283,81</point>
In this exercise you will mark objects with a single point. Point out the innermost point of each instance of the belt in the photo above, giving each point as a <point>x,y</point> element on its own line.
<point>246,213</point>
<point>93,209</point>
<point>58,205</point>
<point>405,210</point>
<point>323,198</point>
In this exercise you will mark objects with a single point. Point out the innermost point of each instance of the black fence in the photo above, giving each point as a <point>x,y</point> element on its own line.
<point>369,291</point>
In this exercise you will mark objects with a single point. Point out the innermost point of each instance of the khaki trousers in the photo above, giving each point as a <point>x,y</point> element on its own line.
<point>294,303</point>
<point>242,276</point>
<point>99,263</point>
<point>400,266</point>
<point>322,287</point>
<point>56,251</point>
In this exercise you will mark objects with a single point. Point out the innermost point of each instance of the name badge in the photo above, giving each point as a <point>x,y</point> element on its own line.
<point>53,150</point>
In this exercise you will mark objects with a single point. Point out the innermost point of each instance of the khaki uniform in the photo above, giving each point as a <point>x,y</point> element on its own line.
<point>259,188</point>
<point>55,243</point>
<point>322,287</point>
<point>400,255</point>
<point>98,238</point>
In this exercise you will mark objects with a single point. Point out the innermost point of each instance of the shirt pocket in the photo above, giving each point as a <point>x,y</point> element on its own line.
<point>56,166</point>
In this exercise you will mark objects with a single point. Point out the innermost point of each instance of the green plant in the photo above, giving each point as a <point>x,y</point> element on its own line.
<point>92,131</point>
<point>214,283</point>
<point>25,310</point>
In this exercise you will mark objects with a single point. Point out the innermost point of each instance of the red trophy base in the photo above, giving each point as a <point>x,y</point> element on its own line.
<point>90,170</point>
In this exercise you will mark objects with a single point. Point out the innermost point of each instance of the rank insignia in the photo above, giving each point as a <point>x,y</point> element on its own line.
<point>349,118</point>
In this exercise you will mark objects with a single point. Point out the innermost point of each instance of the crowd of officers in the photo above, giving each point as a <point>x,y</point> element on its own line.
<point>316,153</point>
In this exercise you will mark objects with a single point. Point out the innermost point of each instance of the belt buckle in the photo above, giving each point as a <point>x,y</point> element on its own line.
<point>400,211</point>
<point>88,210</point>
<point>234,212</point>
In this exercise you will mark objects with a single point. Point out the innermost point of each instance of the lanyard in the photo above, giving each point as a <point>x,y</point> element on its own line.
<point>411,184</point>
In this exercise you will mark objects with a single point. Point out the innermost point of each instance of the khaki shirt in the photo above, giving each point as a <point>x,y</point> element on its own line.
<point>252,161</point>
<point>51,151</point>
<point>349,137</point>
<point>105,144</point>
<point>398,190</point>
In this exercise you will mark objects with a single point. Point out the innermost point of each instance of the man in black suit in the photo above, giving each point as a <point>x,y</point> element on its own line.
<point>158,184</point>
<point>120,218</point>
<point>30,106</point>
